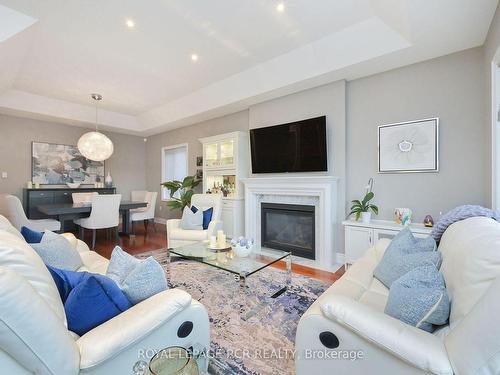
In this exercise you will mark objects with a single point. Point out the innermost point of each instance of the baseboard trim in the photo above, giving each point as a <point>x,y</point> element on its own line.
<point>160,220</point>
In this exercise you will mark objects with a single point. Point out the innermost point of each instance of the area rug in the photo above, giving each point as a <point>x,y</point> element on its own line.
<point>263,344</point>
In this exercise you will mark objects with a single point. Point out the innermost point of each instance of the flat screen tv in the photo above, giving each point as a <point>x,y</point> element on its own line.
<point>294,147</point>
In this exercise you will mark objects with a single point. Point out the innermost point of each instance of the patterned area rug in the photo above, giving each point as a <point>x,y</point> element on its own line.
<point>264,343</point>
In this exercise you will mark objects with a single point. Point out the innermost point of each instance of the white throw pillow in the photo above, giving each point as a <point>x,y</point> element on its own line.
<point>57,251</point>
<point>191,220</point>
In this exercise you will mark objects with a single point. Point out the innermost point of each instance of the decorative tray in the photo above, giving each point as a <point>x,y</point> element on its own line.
<point>227,247</point>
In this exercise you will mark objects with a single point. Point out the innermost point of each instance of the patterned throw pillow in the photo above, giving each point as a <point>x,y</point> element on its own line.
<point>419,298</point>
<point>138,279</point>
<point>404,253</point>
<point>56,251</point>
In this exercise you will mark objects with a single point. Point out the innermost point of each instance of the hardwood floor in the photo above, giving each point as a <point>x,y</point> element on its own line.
<point>143,242</point>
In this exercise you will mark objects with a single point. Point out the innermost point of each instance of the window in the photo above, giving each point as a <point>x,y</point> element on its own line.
<point>174,166</point>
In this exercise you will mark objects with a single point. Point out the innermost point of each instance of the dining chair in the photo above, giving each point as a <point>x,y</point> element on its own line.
<point>105,214</point>
<point>83,197</point>
<point>12,208</point>
<point>144,214</point>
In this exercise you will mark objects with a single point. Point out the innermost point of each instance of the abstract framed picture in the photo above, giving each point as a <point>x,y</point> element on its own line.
<point>55,164</point>
<point>408,147</point>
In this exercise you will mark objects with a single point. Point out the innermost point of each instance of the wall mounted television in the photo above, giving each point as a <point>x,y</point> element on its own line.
<point>294,147</point>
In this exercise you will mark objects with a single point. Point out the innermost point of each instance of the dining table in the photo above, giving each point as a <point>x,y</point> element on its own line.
<point>69,211</point>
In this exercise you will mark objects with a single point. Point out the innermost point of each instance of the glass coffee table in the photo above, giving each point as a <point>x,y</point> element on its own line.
<point>242,268</point>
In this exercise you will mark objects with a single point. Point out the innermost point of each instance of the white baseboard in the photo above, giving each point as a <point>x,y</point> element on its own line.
<point>160,220</point>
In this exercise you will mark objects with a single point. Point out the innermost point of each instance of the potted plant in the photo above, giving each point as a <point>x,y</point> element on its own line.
<point>185,190</point>
<point>364,208</point>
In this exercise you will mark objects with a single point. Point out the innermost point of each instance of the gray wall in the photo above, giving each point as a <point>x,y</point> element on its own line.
<point>449,87</point>
<point>189,135</point>
<point>491,46</point>
<point>127,165</point>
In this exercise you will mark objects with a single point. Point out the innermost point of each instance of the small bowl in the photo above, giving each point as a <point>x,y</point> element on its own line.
<point>242,251</point>
<point>73,185</point>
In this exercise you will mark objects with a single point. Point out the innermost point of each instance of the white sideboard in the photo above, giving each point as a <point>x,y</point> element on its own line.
<point>360,236</point>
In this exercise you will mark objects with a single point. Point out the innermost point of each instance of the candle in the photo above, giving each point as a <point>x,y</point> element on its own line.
<point>213,241</point>
<point>222,240</point>
<point>37,185</point>
<point>29,185</point>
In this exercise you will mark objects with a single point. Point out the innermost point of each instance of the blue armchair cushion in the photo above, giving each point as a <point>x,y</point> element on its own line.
<point>207,215</point>
<point>31,236</point>
<point>404,253</point>
<point>89,299</point>
<point>419,298</point>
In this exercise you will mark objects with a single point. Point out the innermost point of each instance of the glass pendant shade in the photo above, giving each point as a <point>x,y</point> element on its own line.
<point>95,146</point>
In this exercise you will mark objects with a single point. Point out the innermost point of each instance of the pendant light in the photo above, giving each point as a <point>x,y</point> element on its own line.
<point>94,145</point>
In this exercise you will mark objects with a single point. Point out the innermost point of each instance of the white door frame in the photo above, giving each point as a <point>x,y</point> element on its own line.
<point>495,131</point>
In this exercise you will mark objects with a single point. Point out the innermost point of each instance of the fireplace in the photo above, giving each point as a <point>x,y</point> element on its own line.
<point>289,227</point>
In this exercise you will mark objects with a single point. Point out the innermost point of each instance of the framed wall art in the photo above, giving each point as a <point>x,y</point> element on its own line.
<point>411,146</point>
<point>55,164</point>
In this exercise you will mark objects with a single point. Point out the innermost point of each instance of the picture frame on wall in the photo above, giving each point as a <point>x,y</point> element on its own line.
<point>58,164</point>
<point>409,147</point>
<point>199,161</point>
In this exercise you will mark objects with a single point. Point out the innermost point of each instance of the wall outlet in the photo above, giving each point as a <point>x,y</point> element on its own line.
<point>4,174</point>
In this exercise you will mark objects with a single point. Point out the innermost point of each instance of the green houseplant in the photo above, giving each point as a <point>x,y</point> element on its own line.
<point>364,208</point>
<point>185,188</point>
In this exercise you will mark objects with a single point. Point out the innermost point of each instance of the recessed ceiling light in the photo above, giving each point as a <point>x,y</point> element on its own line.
<point>130,23</point>
<point>280,7</point>
<point>194,57</point>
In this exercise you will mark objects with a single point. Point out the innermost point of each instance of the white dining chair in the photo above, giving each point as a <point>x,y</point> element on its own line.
<point>144,214</point>
<point>105,214</point>
<point>83,197</point>
<point>12,208</point>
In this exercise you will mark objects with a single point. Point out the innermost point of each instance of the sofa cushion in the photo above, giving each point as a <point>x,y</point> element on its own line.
<point>18,256</point>
<point>471,261</point>
<point>93,301</point>
<point>6,225</point>
<point>93,262</point>
<point>56,251</point>
<point>404,253</point>
<point>419,298</point>
<point>138,279</point>
<point>207,215</point>
<point>31,236</point>
<point>191,220</point>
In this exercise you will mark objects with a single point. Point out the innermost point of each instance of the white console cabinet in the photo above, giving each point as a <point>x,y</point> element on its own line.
<point>226,163</point>
<point>359,236</point>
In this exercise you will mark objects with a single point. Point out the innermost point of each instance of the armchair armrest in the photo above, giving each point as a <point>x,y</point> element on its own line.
<point>131,326</point>
<point>419,348</point>
<point>213,227</point>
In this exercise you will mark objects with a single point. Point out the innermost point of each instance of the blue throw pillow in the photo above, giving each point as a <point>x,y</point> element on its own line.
<point>89,299</point>
<point>92,302</point>
<point>207,215</point>
<point>404,253</point>
<point>31,236</point>
<point>419,298</point>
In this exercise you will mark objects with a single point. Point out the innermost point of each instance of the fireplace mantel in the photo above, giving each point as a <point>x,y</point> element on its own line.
<point>319,190</point>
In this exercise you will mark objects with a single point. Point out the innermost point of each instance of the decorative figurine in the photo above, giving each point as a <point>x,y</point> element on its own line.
<point>429,221</point>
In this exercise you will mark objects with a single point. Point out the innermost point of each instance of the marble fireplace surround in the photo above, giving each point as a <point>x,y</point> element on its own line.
<point>317,191</point>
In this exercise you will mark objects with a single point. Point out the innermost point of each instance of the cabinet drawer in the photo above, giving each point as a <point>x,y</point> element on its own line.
<point>62,197</point>
<point>41,195</point>
<point>227,204</point>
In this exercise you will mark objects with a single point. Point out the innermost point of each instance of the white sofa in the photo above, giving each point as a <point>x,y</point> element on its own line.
<point>34,338</point>
<point>349,317</point>
<point>176,236</point>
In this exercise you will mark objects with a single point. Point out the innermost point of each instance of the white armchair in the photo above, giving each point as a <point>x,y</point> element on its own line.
<point>34,338</point>
<point>12,209</point>
<point>176,236</point>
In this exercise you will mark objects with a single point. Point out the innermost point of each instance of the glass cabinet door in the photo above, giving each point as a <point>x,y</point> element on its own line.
<point>226,152</point>
<point>211,155</point>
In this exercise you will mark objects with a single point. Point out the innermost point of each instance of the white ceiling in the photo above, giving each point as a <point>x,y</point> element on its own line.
<point>54,53</point>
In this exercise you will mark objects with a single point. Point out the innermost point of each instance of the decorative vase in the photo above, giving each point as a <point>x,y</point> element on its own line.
<point>366,217</point>
<point>403,216</point>
<point>108,181</point>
